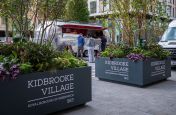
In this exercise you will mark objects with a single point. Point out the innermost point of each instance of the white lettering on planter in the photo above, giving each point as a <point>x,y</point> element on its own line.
<point>158,68</point>
<point>117,68</point>
<point>50,81</point>
<point>52,87</point>
<point>57,89</point>
<point>107,62</point>
<point>30,84</point>
<point>54,98</point>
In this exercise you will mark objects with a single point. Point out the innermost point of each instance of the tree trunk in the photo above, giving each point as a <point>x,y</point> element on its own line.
<point>7,28</point>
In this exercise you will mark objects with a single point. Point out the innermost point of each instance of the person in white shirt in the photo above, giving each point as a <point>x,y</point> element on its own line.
<point>91,45</point>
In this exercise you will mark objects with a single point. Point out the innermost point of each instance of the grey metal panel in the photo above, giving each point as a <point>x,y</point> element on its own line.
<point>156,70</point>
<point>21,97</point>
<point>138,73</point>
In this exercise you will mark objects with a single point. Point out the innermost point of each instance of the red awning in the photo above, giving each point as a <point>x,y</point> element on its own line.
<point>87,27</point>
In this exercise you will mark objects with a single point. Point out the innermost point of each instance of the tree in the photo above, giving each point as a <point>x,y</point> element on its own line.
<point>77,10</point>
<point>48,10</point>
<point>26,14</point>
<point>17,12</point>
<point>138,17</point>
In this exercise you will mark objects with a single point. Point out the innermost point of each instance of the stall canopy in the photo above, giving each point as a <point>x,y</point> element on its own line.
<point>83,26</point>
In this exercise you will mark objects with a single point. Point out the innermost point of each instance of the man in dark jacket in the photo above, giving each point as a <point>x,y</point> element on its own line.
<point>103,43</point>
<point>81,43</point>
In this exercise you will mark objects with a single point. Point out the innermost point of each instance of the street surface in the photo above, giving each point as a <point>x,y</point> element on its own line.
<point>117,99</point>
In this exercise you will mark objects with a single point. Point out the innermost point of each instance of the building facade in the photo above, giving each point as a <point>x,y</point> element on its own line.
<point>102,7</point>
<point>2,24</point>
<point>171,8</point>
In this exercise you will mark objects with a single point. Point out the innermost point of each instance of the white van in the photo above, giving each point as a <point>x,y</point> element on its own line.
<point>168,41</point>
<point>67,33</point>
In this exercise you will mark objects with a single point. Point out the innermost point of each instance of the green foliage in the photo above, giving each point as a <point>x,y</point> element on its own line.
<point>149,51</point>
<point>74,62</point>
<point>137,50</point>
<point>137,21</point>
<point>1,58</point>
<point>149,54</point>
<point>8,61</point>
<point>63,63</point>
<point>119,53</point>
<point>36,54</point>
<point>51,9</point>
<point>29,52</point>
<point>60,63</point>
<point>77,10</point>
<point>156,51</point>
<point>6,49</point>
<point>34,57</point>
<point>25,14</point>
<point>105,53</point>
<point>19,39</point>
<point>43,66</point>
<point>65,54</point>
<point>25,68</point>
<point>82,63</point>
<point>17,13</point>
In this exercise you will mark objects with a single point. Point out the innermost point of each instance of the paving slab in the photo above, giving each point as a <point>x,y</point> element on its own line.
<point>118,99</point>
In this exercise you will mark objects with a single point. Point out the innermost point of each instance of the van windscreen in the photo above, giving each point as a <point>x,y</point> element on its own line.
<point>170,34</point>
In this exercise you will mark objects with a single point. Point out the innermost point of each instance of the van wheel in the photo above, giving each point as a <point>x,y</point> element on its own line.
<point>95,53</point>
<point>86,53</point>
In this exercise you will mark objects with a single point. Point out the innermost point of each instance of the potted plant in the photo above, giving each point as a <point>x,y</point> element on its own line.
<point>36,80</point>
<point>137,66</point>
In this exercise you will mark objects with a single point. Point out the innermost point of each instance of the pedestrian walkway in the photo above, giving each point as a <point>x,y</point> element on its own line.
<point>93,68</point>
<point>117,99</point>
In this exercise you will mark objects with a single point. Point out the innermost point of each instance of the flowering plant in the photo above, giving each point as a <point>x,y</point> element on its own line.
<point>3,73</point>
<point>135,57</point>
<point>9,68</point>
<point>136,53</point>
<point>12,73</point>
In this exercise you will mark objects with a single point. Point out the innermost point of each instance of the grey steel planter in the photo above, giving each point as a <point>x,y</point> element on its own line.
<point>139,73</point>
<point>45,92</point>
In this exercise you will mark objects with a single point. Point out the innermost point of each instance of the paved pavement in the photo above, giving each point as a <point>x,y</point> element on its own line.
<point>117,99</point>
<point>93,68</point>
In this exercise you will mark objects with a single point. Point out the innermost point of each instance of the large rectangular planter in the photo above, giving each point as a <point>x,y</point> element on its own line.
<point>139,73</point>
<point>45,92</point>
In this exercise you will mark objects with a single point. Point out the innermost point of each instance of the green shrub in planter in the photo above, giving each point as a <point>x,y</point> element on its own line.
<point>31,57</point>
<point>149,51</point>
<point>138,66</point>
<point>25,68</point>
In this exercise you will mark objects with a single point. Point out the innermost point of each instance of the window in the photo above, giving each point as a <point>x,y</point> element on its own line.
<point>103,6</point>
<point>170,34</point>
<point>2,21</point>
<point>173,12</point>
<point>169,10</point>
<point>110,5</point>
<point>93,7</point>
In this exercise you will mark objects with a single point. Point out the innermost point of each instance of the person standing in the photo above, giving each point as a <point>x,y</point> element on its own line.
<point>81,42</point>
<point>103,43</point>
<point>90,46</point>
